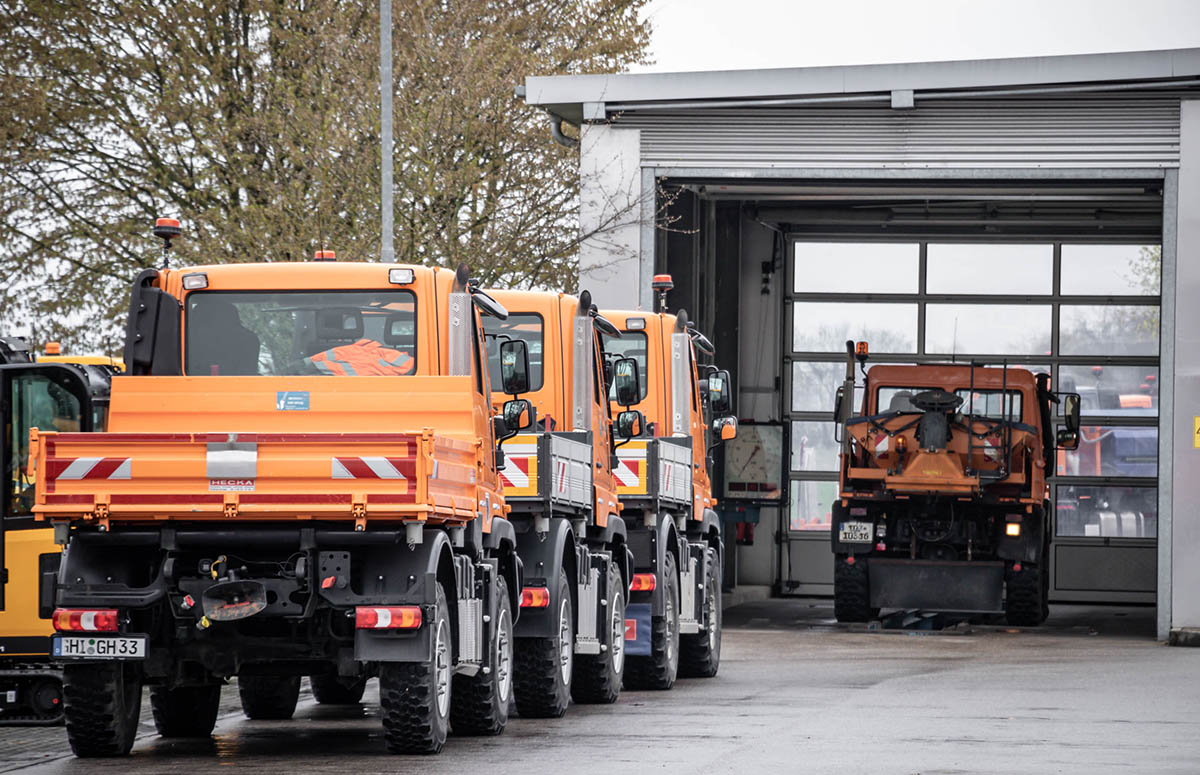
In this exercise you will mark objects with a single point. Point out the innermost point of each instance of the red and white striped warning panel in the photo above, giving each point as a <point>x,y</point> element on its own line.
<point>368,467</point>
<point>520,471</point>
<point>627,472</point>
<point>90,468</point>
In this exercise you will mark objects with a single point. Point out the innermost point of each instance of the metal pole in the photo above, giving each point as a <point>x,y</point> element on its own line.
<point>387,250</point>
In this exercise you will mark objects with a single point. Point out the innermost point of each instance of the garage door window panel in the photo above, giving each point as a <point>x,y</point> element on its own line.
<point>1111,270</point>
<point>1111,451</point>
<point>994,329</point>
<point>810,505</point>
<point>856,267</point>
<point>1106,511</point>
<point>974,269</point>
<point>826,326</point>
<point>813,447</point>
<point>1108,389</point>
<point>1096,329</point>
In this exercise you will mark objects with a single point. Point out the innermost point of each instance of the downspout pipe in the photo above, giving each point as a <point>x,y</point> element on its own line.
<point>556,122</point>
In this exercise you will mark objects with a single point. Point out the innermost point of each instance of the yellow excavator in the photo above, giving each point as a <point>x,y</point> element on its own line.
<point>51,392</point>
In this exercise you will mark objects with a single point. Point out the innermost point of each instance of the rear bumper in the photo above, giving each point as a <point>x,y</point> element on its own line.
<point>932,585</point>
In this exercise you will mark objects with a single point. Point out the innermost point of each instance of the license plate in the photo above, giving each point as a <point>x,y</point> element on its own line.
<point>855,532</point>
<point>99,647</point>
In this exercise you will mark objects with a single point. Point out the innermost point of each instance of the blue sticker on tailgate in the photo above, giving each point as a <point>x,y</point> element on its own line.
<point>291,400</point>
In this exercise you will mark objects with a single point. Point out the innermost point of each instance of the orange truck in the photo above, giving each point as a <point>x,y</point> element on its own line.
<point>943,503</point>
<point>672,411</point>
<point>299,477</point>
<point>68,394</point>
<point>558,479</point>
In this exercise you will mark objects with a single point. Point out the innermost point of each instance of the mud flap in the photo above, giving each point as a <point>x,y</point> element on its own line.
<point>930,585</point>
<point>637,629</point>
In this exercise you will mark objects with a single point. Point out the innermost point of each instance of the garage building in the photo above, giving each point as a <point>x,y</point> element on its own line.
<point>1040,212</point>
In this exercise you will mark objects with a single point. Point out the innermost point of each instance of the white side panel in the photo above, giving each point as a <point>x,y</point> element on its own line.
<point>610,215</point>
<point>571,466</point>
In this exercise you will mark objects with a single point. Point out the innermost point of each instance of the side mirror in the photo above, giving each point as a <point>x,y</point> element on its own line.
<point>488,306</point>
<point>1067,439</point>
<point>719,396</point>
<point>499,427</point>
<point>838,401</point>
<point>725,428</point>
<point>514,367</point>
<point>1070,405</point>
<point>625,377</point>
<point>518,415</point>
<point>630,423</point>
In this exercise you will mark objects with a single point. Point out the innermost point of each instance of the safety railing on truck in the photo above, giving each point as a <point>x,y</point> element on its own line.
<point>655,472</point>
<point>551,469</point>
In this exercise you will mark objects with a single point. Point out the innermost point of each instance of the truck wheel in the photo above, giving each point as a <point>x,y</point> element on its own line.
<point>545,665</point>
<point>415,696</point>
<point>185,711</point>
<point>480,704</point>
<point>269,697</point>
<point>659,670</point>
<point>335,690</point>
<point>700,654</point>
<point>102,706</point>
<point>1025,598</point>
<point>598,677</point>
<point>852,591</point>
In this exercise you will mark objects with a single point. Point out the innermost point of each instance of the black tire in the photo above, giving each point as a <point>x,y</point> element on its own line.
<point>102,704</point>
<point>660,669</point>
<point>185,711</point>
<point>700,654</point>
<point>269,697</point>
<point>852,591</point>
<point>334,690</point>
<point>597,677</point>
<point>545,666</point>
<point>416,697</point>
<point>480,704</point>
<point>1025,597</point>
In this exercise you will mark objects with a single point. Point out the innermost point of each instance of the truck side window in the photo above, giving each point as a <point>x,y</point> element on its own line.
<point>39,403</point>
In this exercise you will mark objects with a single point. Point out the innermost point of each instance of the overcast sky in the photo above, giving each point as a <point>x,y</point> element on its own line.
<point>741,34</point>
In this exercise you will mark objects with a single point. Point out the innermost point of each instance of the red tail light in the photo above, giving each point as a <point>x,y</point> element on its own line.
<point>387,617</point>
<point>644,582</point>
<point>85,620</point>
<point>535,597</point>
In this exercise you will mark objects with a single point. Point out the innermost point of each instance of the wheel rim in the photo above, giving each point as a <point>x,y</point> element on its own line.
<point>442,668</point>
<point>712,617</point>
<point>504,650</point>
<point>617,636</point>
<point>672,623</point>
<point>566,651</point>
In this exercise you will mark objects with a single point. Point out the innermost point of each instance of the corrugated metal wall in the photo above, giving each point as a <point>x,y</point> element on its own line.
<point>1119,131</point>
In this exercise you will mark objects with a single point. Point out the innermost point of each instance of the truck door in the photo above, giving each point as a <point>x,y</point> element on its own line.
<point>48,396</point>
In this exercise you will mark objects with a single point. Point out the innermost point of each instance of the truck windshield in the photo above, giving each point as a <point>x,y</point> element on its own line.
<point>988,403</point>
<point>527,327</point>
<point>632,344</point>
<point>292,333</point>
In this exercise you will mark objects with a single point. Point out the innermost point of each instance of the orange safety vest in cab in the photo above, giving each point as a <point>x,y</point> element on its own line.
<point>364,358</point>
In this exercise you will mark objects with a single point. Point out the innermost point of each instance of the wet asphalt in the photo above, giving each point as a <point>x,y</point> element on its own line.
<point>1089,692</point>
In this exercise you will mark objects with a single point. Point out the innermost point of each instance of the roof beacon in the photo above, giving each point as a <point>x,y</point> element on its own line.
<point>166,229</point>
<point>662,284</point>
<point>325,255</point>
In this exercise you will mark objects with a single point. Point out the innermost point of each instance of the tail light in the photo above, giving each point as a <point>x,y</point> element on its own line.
<point>535,597</point>
<point>1012,529</point>
<point>644,582</point>
<point>83,620</point>
<point>389,617</point>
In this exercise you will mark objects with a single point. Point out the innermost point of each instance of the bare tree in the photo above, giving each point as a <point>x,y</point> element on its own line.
<point>256,122</point>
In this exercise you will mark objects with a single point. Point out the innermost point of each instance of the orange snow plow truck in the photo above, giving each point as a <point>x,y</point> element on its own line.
<point>943,503</point>
<point>299,478</point>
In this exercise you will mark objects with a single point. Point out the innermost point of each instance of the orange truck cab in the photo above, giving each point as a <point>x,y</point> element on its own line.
<point>671,412</point>
<point>299,477</point>
<point>69,394</point>
<point>558,480</point>
<point>944,503</point>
